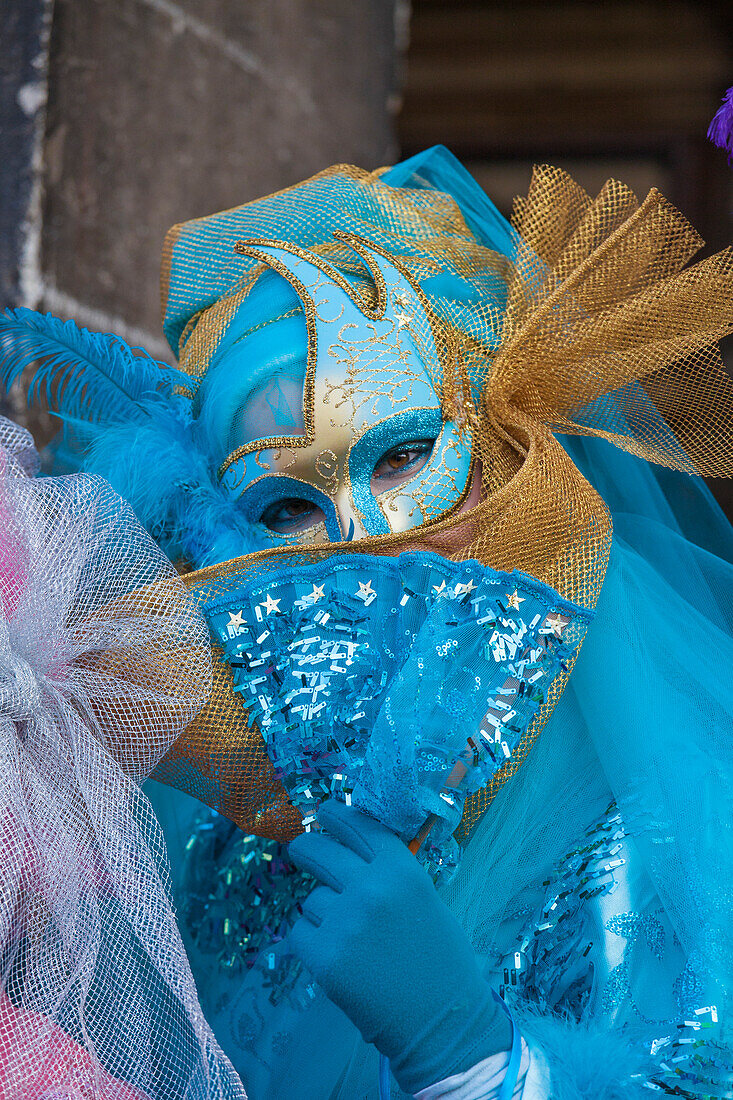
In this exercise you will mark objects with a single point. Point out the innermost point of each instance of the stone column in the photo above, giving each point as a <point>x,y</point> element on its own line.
<point>163,110</point>
<point>23,91</point>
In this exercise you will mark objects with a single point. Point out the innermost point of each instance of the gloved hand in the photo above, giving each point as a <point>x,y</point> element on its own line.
<point>385,948</point>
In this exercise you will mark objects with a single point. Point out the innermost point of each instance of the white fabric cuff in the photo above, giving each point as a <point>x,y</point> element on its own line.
<point>482,1082</point>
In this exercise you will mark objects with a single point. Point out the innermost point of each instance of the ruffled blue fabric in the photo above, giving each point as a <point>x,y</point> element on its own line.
<point>307,215</point>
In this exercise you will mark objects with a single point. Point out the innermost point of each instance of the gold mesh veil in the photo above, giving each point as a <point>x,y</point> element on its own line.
<point>605,332</point>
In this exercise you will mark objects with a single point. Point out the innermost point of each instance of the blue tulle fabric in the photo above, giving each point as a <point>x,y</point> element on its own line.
<point>645,731</point>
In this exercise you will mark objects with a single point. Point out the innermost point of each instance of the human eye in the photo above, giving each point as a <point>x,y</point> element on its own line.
<point>292,515</point>
<point>403,461</point>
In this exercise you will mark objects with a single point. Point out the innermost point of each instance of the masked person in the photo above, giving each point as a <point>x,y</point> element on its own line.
<point>372,363</point>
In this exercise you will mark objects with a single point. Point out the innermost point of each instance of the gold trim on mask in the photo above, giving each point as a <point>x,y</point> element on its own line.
<point>377,313</point>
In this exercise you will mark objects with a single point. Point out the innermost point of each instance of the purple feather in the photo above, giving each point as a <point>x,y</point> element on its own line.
<point>720,130</point>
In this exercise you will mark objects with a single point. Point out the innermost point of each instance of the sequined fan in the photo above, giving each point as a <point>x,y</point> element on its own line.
<point>398,684</point>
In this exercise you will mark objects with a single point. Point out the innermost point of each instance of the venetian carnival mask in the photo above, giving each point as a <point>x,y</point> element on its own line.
<point>348,438</point>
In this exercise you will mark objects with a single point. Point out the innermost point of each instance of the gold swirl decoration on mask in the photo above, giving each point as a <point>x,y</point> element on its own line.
<point>606,332</point>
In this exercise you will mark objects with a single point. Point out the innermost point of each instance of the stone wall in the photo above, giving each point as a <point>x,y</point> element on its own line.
<point>163,110</point>
<point>23,81</point>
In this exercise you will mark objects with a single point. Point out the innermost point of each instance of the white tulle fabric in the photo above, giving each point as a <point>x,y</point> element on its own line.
<point>103,660</point>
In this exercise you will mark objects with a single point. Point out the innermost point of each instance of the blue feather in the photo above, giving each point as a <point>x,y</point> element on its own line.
<point>172,486</point>
<point>124,420</point>
<point>89,376</point>
<point>588,1060</point>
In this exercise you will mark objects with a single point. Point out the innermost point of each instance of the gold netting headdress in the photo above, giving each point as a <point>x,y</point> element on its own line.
<point>604,331</point>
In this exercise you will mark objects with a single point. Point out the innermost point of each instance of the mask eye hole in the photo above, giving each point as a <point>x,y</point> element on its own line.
<point>291,516</point>
<point>401,463</point>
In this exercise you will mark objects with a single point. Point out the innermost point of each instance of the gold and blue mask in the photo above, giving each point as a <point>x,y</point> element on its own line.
<point>334,412</point>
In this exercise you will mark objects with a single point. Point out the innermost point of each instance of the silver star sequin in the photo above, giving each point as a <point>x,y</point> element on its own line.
<point>366,592</point>
<point>556,623</point>
<point>465,589</point>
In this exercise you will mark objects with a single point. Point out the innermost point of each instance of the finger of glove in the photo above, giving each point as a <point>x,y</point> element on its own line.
<point>324,857</point>
<point>316,951</point>
<point>303,939</point>
<point>362,834</point>
<point>318,905</point>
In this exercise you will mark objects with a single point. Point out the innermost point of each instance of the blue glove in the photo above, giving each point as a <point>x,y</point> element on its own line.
<point>384,947</point>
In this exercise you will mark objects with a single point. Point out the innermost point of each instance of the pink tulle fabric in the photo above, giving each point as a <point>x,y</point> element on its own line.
<point>104,659</point>
<point>63,1062</point>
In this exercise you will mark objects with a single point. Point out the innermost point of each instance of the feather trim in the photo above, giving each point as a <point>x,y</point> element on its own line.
<point>160,469</point>
<point>88,375</point>
<point>123,420</point>
<point>720,131</point>
<point>586,1061</point>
